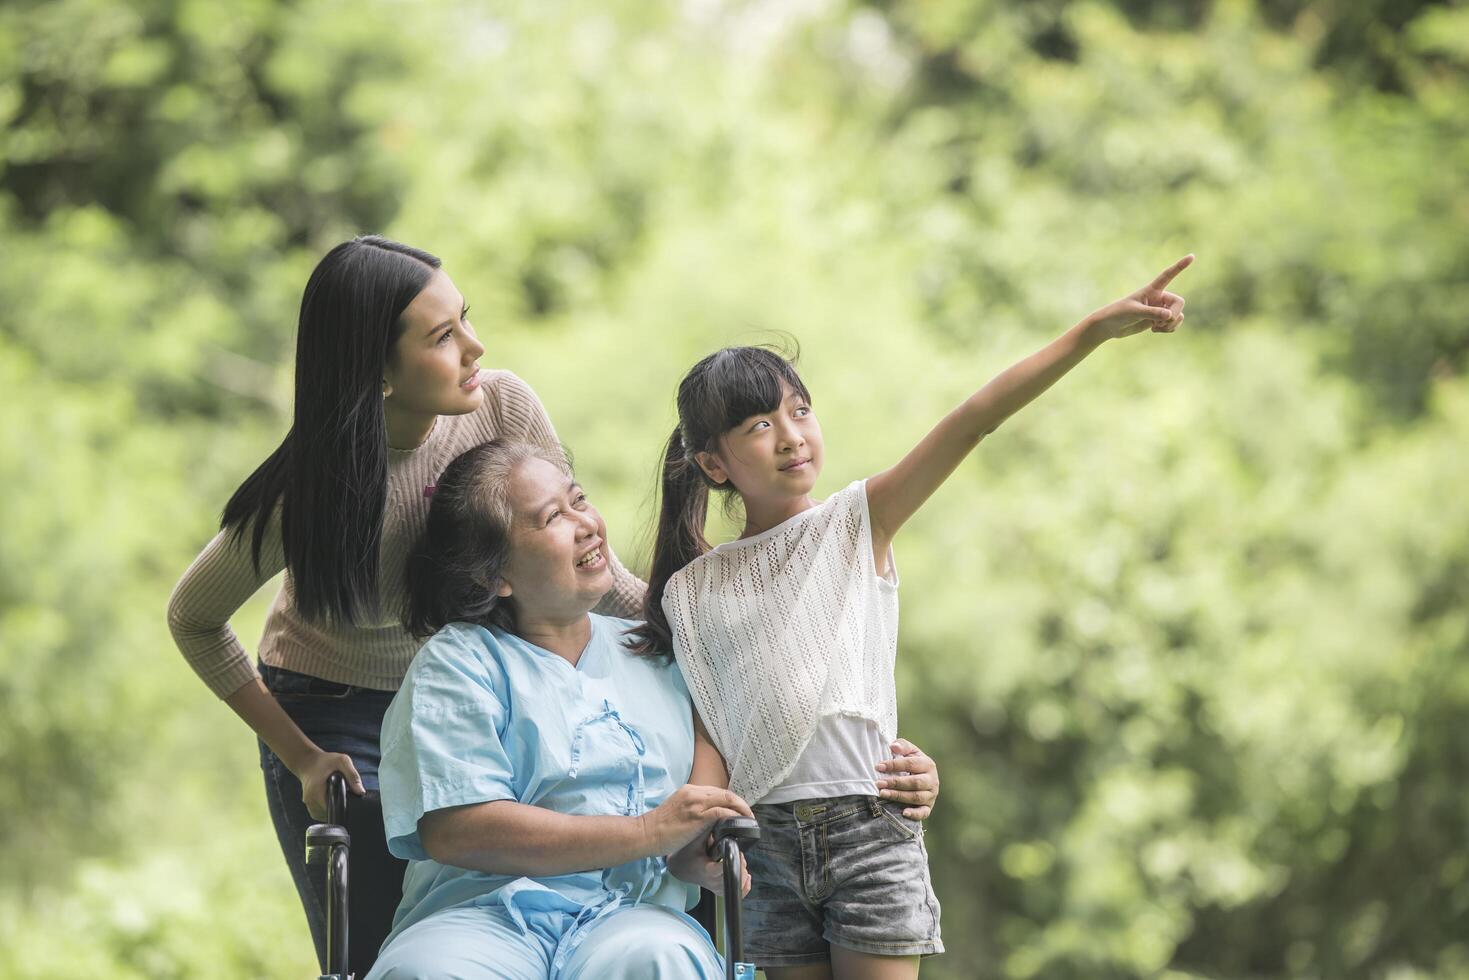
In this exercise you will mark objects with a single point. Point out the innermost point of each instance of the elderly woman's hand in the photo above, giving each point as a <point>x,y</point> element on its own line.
<point>912,778</point>
<point>687,815</point>
<point>693,864</point>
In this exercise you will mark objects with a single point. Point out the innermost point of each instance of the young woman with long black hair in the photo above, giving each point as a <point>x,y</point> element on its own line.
<point>388,390</point>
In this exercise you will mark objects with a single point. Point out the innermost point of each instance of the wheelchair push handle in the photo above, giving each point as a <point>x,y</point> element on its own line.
<point>330,842</point>
<point>741,829</point>
<point>321,837</point>
<point>730,836</point>
<point>336,798</point>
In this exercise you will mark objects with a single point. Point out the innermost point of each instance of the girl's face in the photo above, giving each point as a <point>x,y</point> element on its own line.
<point>771,456</point>
<point>557,567</point>
<point>433,369</point>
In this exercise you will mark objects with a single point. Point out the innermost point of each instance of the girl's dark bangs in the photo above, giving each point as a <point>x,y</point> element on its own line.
<point>751,381</point>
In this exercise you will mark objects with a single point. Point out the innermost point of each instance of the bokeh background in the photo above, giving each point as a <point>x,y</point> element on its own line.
<point>1188,637</point>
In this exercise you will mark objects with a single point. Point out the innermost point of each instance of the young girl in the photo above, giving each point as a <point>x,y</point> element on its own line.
<point>787,638</point>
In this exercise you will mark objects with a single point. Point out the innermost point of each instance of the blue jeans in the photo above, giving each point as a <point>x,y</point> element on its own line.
<point>338,718</point>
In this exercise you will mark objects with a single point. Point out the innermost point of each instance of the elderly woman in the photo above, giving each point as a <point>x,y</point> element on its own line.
<point>550,788</point>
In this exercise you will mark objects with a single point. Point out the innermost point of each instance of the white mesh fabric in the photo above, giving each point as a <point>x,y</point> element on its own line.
<point>776,631</point>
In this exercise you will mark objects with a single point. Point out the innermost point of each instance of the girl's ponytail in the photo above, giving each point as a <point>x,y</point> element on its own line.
<point>680,540</point>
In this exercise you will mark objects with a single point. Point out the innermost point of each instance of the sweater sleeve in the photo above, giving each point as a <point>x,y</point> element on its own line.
<point>625,600</point>
<point>217,584</point>
<point>522,416</point>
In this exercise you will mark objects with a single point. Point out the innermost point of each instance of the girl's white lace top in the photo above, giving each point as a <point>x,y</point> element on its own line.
<point>776,631</point>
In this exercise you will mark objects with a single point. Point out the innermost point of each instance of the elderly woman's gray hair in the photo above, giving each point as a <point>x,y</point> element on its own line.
<point>455,568</point>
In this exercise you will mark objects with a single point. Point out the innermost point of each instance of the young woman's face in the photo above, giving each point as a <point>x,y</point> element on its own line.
<point>557,566</point>
<point>433,369</point>
<point>770,456</point>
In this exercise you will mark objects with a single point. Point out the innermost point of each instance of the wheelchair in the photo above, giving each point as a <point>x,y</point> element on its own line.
<point>358,920</point>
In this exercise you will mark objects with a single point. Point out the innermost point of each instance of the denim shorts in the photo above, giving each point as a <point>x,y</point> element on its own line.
<point>849,871</point>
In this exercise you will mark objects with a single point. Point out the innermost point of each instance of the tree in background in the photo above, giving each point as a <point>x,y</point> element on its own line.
<point>1188,641</point>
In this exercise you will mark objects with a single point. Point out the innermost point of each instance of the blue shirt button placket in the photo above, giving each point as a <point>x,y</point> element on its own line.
<point>652,867</point>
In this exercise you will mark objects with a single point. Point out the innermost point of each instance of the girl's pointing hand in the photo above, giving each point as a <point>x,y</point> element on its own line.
<point>1152,307</point>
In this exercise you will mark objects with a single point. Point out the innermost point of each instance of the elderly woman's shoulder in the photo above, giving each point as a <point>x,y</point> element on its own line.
<point>619,631</point>
<point>456,651</point>
<point>615,627</point>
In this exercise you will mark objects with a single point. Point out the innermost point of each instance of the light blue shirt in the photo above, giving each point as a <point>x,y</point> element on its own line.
<point>484,715</point>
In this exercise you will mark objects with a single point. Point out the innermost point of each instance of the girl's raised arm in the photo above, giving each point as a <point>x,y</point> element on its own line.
<point>895,494</point>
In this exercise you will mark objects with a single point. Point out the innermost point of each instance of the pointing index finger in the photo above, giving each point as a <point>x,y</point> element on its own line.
<point>1166,276</point>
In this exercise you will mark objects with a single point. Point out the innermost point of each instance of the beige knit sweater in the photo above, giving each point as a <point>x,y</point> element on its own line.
<point>374,655</point>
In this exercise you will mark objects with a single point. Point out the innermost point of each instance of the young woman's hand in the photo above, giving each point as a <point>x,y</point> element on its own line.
<point>911,778</point>
<point>1152,307</point>
<point>689,814</point>
<point>313,774</point>
<point>692,863</point>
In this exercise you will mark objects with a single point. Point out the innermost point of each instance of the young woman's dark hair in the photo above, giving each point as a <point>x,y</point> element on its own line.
<point>455,566</point>
<point>717,394</point>
<point>329,476</point>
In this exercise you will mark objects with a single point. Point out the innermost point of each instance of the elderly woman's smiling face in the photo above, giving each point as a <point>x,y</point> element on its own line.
<point>557,568</point>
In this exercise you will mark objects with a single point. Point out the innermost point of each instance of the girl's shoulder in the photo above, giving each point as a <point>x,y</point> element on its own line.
<point>686,578</point>
<point>838,522</point>
<point>853,496</point>
<point>814,521</point>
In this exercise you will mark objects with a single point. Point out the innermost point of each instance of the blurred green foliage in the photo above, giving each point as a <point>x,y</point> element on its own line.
<point>1188,637</point>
